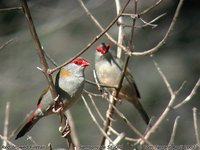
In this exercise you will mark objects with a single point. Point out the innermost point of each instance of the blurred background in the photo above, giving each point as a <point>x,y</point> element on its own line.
<point>64,29</point>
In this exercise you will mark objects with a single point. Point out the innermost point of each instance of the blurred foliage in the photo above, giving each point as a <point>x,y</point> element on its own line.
<point>64,29</point>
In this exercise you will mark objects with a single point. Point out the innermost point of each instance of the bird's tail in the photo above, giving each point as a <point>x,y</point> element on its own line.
<point>141,110</point>
<point>30,122</point>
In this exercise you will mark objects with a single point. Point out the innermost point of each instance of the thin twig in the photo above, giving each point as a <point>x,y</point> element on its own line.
<point>150,8</point>
<point>6,43</point>
<point>96,108</point>
<point>100,26</point>
<point>120,28</point>
<point>10,9</point>
<point>171,141</point>
<point>168,108</point>
<point>131,126</point>
<point>164,78</point>
<point>73,129</point>
<point>6,122</point>
<point>38,47</point>
<point>145,23</point>
<point>100,115</point>
<point>189,97</point>
<point>196,126</point>
<point>31,139</point>
<point>163,41</point>
<point>92,42</point>
<point>94,119</point>
<point>10,143</point>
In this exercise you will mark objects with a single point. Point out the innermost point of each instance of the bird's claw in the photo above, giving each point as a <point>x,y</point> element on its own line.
<point>56,99</point>
<point>57,110</point>
<point>65,130</point>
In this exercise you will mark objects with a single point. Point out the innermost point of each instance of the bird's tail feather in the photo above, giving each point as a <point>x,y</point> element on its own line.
<point>142,112</point>
<point>28,126</point>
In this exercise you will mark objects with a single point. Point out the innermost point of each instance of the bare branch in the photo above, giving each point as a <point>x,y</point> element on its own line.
<point>163,41</point>
<point>100,26</point>
<point>189,97</point>
<point>6,43</point>
<point>6,122</point>
<point>171,141</point>
<point>167,109</point>
<point>43,61</point>
<point>196,126</point>
<point>94,119</point>
<point>131,126</point>
<point>10,9</point>
<point>31,139</point>
<point>9,142</point>
<point>120,28</point>
<point>150,8</point>
<point>73,129</point>
<point>38,47</point>
<point>164,78</point>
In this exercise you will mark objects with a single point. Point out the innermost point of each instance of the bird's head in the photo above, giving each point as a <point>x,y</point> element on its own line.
<point>103,48</point>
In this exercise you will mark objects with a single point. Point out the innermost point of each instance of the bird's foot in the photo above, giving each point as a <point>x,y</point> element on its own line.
<point>58,108</point>
<point>66,130</point>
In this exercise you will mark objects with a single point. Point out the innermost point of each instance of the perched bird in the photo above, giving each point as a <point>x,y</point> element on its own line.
<point>108,69</point>
<point>69,84</point>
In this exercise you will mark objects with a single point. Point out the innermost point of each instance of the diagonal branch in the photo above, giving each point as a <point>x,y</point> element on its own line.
<point>50,71</point>
<point>188,98</point>
<point>163,41</point>
<point>119,44</point>
<point>38,47</point>
<point>171,141</point>
<point>6,43</point>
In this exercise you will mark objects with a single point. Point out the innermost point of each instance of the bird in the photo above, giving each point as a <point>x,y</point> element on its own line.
<point>69,82</point>
<point>108,69</point>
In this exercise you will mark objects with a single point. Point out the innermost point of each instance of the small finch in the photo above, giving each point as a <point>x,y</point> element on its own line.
<point>108,69</point>
<point>69,84</point>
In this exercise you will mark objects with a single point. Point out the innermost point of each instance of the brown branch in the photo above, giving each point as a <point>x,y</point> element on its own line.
<point>100,26</point>
<point>41,56</point>
<point>38,47</point>
<point>73,130</point>
<point>115,93</point>
<point>163,41</point>
<point>50,71</point>
<point>94,119</point>
<point>131,127</point>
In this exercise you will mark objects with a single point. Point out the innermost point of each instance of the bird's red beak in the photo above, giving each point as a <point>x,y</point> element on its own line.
<point>85,63</point>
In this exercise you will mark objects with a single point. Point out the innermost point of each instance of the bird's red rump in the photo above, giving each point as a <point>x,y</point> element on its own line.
<point>31,117</point>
